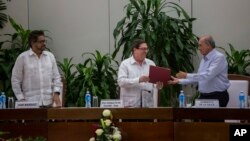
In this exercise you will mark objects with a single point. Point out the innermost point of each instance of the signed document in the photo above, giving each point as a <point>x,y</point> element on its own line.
<point>159,74</point>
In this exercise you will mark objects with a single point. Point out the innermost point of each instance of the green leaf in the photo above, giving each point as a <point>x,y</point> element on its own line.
<point>118,28</point>
<point>3,16</point>
<point>237,60</point>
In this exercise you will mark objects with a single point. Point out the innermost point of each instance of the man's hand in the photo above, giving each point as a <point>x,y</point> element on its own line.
<point>56,99</point>
<point>181,75</point>
<point>159,85</point>
<point>143,78</point>
<point>173,81</point>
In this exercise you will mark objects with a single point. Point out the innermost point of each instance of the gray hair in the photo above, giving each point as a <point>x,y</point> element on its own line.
<point>209,41</point>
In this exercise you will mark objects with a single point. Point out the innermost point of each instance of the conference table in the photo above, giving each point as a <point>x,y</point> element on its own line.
<point>136,124</point>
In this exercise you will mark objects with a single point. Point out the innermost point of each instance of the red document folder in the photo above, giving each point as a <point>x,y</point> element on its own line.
<point>159,74</point>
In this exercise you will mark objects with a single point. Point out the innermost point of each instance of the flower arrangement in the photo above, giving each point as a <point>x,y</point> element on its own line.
<point>106,131</point>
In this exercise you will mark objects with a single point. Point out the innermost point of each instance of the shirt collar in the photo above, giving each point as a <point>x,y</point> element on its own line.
<point>209,55</point>
<point>31,52</point>
<point>133,61</point>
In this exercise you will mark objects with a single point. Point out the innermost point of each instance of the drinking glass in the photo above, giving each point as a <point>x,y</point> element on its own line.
<point>188,101</point>
<point>11,103</point>
<point>95,101</point>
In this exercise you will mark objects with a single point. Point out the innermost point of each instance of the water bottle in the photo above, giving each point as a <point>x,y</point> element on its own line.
<point>3,100</point>
<point>181,99</point>
<point>87,100</point>
<point>242,99</point>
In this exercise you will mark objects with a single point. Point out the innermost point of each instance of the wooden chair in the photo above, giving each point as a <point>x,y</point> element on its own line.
<point>236,80</point>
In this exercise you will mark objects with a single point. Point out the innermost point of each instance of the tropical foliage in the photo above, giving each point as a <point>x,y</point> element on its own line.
<point>72,92</point>
<point>170,39</point>
<point>97,74</point>
<point>9,51</point>
<point>3,16</point>
<point>238,61</point>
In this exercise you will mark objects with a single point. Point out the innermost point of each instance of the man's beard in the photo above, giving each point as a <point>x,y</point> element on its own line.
<point>43,48</point>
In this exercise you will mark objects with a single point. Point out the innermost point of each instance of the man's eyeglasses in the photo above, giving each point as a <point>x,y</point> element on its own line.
<point>143,49</point>
<point>42,42</point>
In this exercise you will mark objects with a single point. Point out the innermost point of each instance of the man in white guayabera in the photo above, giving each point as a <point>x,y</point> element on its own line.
<point>133,77</point>
<point>35,75</point>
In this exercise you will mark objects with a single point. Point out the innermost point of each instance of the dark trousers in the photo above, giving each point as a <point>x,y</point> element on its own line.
<point>223,97</point>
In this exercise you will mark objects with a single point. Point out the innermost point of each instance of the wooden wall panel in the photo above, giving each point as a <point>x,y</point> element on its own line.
<point>201,131</point>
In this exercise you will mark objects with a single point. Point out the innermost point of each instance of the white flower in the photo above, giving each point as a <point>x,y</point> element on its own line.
<point>107,122</point>
<point>92,139</point>
<point>99,132</point>
<point>115,129</point>
<point>117,132</point>
<point>106,113</point>
<point>117,136</point>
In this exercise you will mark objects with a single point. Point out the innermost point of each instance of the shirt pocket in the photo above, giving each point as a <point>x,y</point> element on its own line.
<point>30,70</point>
<point>47,69</point>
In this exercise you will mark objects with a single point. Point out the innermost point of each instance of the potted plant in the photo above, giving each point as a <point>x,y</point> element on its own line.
<point>238,61</point>
<point>170,39</point>
<point>72,90</point>
<point>3,16</point>
<point>3,20</point>
<point>97,74</point>
<point>18,43</point>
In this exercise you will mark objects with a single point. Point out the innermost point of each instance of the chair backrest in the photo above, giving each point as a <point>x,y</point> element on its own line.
<point>234,91</point>
<point>240,77</point>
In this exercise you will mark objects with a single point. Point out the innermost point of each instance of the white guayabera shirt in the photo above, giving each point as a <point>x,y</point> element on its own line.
<point>35,79</point>
<point>128,80</point>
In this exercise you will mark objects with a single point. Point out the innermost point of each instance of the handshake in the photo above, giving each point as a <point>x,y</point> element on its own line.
<point>179,75</point>
<point>174,80</point>
<point>144,78</point>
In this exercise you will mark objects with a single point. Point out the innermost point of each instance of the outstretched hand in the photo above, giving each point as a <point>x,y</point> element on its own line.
<point>173,81</point>
<point>181,75</point>
<point>159,85</point>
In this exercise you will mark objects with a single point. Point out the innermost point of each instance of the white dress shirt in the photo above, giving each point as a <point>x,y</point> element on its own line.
<point>128,79</point>
<point>212,73</point>
<point>35,79</point>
